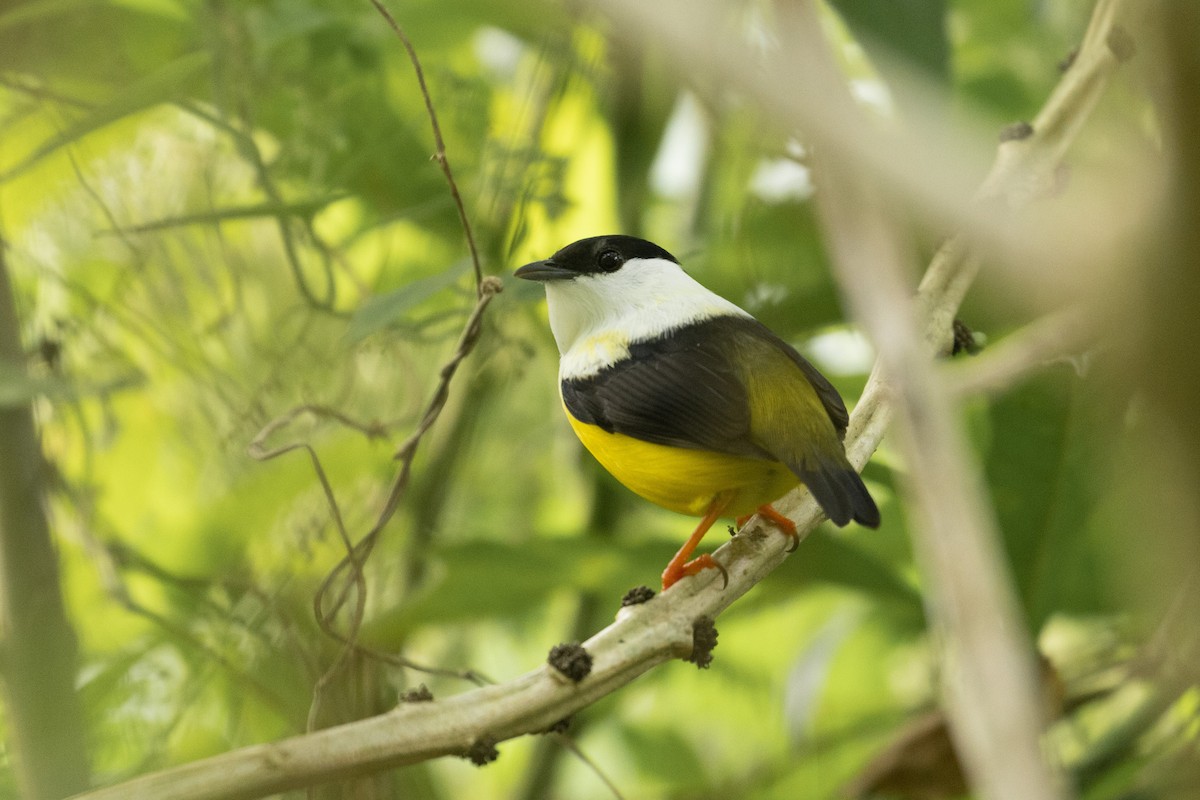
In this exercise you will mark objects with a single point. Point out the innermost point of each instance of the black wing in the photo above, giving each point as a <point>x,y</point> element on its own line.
<point>683,390</point>
<point>688,389</point>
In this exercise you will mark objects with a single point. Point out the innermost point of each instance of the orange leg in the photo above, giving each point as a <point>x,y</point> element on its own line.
<point>785,525</point>
<point>680,567</point>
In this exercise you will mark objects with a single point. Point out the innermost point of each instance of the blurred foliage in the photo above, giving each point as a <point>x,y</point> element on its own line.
<point>217,211</point>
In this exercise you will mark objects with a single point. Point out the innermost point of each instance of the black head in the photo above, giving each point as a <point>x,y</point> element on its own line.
<point>593,256</point>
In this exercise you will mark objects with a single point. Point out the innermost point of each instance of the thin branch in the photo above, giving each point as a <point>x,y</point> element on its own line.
<point>331,596</point>
<point>486,289</point>
<point>301,208</point>
<point>440,153</point>
<point>259,451</point>
<point>244,142</point>
<point>407,451</point>
<point>1054,339</point>
<point>244,139</point>
<point>971,601</point>
<point>992,696</point>
<point>258,445</point>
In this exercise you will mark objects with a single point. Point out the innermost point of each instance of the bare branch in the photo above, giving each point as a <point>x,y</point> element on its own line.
<point>331,596</point>
<point>992,694</point>
<point>1055,338</point>
<point>988,654</point>
<point>440,153</point>
<point>485,289</point>
<point>358,554</point>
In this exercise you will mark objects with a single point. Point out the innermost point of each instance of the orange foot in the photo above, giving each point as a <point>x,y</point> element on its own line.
<point>785,525</point>
<point>674,571</point>
<point>680,567</point>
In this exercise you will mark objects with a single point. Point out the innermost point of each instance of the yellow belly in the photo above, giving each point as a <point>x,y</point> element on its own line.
<point>683,480</point>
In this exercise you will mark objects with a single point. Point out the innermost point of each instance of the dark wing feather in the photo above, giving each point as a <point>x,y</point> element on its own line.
<point>786,422</point>
<point>839,490</point>
<point>681,390</point>
<point>829,396</point>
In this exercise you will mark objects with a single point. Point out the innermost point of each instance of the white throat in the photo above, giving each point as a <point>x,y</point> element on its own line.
<point>595,318</point>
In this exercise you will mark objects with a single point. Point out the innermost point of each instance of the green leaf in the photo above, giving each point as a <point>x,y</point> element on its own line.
<point>299,208</point>
<point>826,557</point>
<point>1041,468</point>
<point>494,580</point>
<point>386,309</point>
<point>17,388</point>
<point>40,10</point>
<point>161,86</point>
<point>912,29</point>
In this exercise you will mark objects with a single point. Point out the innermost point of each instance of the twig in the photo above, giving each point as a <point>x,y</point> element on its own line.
<point>245,142</point>
<point>486,289</point>
<point>325,608</point>
<point>440,153</point>
<point>1052,339</point>
<point>407,451</point>
<point>568,744</point>
<point>259,451</point>
<point>301,208</point>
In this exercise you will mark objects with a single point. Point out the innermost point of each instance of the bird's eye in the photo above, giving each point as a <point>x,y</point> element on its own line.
<point>609,261</point>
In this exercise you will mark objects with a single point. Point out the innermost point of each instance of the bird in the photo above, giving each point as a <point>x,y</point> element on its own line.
<point>687,399</point>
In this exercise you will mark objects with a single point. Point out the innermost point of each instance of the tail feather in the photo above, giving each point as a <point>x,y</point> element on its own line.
<point>839,491</point>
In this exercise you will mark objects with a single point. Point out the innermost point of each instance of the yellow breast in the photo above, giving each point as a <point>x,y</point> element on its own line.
<point>684,480</point>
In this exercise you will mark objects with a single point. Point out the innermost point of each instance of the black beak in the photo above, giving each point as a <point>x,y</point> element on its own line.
<point>545,271</point>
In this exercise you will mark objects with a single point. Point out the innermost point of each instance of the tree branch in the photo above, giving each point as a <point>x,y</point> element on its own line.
<point>987,653</point>
<point>44,715</point>
<point>347,577</point>
<point>439,154</point>
<point>992,694</point>
<point>1056,337</point>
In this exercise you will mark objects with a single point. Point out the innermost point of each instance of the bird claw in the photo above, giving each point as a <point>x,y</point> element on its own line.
<point>785,525</point>
<point>671,575</point>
